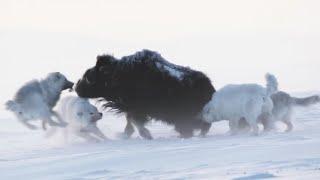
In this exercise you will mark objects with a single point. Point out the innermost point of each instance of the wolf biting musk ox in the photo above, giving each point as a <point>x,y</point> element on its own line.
<point>145,86</point>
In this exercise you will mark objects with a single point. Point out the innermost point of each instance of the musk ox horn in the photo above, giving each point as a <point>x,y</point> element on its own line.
<point>88,81</point>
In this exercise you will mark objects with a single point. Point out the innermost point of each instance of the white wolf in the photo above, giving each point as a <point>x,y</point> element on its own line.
<point>36,99</point>
<point>284,103</point>
<point>81,117</point>
<point>249,102</point>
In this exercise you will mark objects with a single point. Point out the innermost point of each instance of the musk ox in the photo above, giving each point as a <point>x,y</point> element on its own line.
<point>36,99</point>
<point>249,102</point>
<point>145,86</point>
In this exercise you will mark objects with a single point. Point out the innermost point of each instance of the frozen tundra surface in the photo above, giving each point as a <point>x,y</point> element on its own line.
<point>26,154</point>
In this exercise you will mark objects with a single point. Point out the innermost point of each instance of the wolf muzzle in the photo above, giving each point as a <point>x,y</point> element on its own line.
<point>68,85</point>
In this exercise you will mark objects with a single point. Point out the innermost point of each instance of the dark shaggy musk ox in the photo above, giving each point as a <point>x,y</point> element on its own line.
<point>145,86</point>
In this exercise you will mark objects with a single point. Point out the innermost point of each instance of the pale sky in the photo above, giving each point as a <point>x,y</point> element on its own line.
<point>232,41</point>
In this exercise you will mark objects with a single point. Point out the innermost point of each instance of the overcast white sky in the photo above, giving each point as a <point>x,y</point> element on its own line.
<point>232,41</point>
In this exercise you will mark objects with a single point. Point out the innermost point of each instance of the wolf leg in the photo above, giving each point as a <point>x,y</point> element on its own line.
<point>50,122</point>
<point>96,131</point>
<point>61,121</point>
<point>51,132</point>
<point>44,125</point>
<point>254,125</point>
<point>53,123</point>
<point>287,120</point>
<point>28,125</point>
<point>267,122</point>
<point>46,118</point>
<point>87,136</point>
<point>243,126</point>
<point>234,126</point>
<point>289,125</point>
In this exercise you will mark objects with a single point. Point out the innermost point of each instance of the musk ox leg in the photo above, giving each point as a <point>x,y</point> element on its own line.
<point>144,132</point>
<point>139,121</point>
<point>205,127</point>
<point>185,129</point>
<point>129,130</point>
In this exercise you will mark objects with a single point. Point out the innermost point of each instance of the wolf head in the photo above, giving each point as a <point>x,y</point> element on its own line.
<point>87,113</point>
<point>58,81</point>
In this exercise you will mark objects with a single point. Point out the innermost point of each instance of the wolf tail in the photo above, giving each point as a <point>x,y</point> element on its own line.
<point>306,101</point>
<point>272,84</point>
<point>12,106</point>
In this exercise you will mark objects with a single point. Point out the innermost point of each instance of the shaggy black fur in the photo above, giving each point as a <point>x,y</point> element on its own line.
<point>145,86</point>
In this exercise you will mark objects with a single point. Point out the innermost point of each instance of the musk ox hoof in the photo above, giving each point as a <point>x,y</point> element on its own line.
<point>145,133</point>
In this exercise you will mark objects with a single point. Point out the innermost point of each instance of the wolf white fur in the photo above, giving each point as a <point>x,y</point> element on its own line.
<point>81,117</point>
<point>284,104</point>
<point>245,101</point>
<point>36,99</point>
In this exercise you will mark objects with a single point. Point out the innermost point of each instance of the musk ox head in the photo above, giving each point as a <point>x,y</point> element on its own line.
<point>96,81</point>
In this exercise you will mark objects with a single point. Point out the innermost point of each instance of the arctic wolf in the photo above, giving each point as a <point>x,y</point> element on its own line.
<point>284,103</point>
<point>36,99</point>
<point>81,117</point>
<point>247,102</point>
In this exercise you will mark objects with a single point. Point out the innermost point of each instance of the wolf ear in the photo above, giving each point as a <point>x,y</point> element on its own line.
<point>57,77</point>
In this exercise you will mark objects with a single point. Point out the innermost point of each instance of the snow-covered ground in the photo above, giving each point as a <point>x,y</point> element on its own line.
<point>26,154</point>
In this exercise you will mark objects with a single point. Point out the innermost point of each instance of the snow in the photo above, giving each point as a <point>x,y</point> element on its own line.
<point>28,154</point>
<point>171,70</point>
<point>163,65</point>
